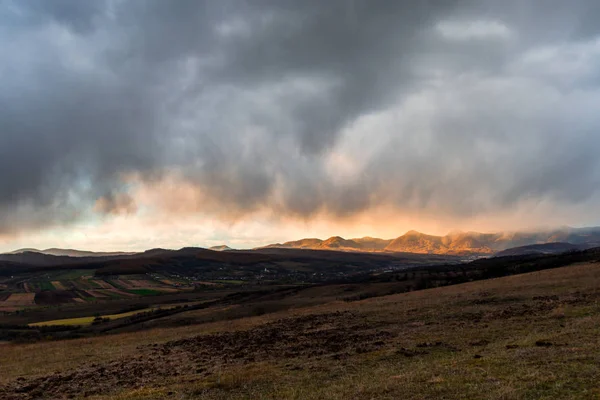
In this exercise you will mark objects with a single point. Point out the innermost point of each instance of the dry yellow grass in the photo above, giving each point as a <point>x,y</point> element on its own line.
<point>90,319</point>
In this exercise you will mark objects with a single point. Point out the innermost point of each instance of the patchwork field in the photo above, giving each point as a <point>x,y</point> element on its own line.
<point>77,286</point>
<point>16,301</point>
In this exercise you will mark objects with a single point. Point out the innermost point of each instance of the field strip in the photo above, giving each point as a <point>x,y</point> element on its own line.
<point>121,292</point>
<point>20,299</point>
<point>58,285</point>
<point>125,283</point>
<point>98,294</point>
<point>208,283</point>
<point>83,294</point>
<point>139,283</point>
<point>103,284</point>
<point>89,320</point>
<point>80,284</point>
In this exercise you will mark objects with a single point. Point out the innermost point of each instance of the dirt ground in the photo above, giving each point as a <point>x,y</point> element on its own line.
<point>16,301</point>
<point>336,335</point>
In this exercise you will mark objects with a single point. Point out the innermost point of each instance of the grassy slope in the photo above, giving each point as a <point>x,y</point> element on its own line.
<point>521,337</point>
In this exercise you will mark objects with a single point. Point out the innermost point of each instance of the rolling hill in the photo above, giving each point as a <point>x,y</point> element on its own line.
<point>545,248</point>
<point>425,334</point>
<point>71,252</point>
<point>222,247</point>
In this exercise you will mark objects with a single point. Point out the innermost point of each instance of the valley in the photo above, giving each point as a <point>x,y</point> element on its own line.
<point>268,322</point>
<point>531,335</point>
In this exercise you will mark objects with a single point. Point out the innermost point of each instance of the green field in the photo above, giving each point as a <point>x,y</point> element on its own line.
<point>45,285</point>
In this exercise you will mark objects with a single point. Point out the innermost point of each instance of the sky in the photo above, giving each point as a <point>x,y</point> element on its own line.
<point>132,124</point>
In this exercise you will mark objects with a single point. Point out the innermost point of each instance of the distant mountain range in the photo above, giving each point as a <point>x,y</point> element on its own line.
<point>453,244</point>
<point>71,252</point>
<point>335,243</point>
<point>222,247</point>
<point>457,243</point>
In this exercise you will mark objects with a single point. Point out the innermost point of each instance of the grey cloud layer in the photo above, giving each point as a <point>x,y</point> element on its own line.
<point>460,107</point>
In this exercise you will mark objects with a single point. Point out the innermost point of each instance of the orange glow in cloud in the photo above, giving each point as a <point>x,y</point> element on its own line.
<point>174,213</point>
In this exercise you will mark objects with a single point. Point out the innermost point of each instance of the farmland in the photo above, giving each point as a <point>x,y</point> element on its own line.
<point>532,335</point>
<point>10,302</point>
<point>74,287</point>
<point>97,280</point>
<point>423,330</point>
<point>65,293</point>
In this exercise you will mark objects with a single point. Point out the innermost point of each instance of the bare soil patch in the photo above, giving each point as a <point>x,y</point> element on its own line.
<point>333,335</point>
<point>54,297</point>
<point>20,299</point>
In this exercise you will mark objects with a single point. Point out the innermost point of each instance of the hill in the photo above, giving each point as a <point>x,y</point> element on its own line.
<point>368,243</point>
<point>83,253</point>
<point>71,252</point>
<point>220,248</point>
<point>338,243</point>
<point>454,243</point>
<point>532,335</point>
<point>416,242</point>
<point>310,243</point>
<point>24,250</point>
<point>545,248</point>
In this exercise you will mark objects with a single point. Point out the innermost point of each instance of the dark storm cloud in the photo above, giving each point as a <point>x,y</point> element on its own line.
<point>253,101</point>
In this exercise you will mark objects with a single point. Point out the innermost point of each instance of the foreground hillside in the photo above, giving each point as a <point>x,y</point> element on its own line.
<point>527,336</point>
